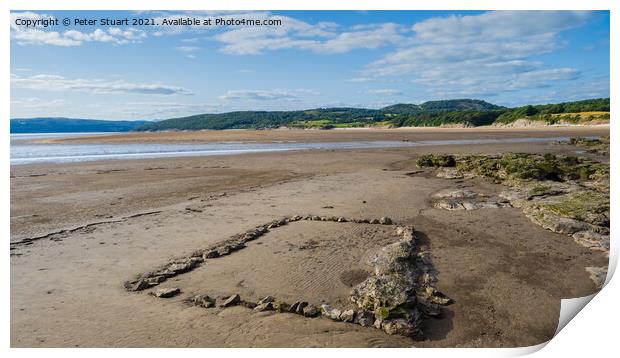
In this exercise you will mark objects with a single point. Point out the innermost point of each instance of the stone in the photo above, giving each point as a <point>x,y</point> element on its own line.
<point>281,307</point>
<point>155,280</point>
<point>223,251</point>
<point>598,275</point>
<point>300,307</point>
<point>374,221</point>
<point>210,254</point>
<point>203,301</point>
<point>293,307</point>
<point>316,218</point>
<point>342,220</point>
<point>295,218</point>
<point>181,267</point>
<point>592,240</point>
<point>385,220</point>
<point>429,309</point>
<point>267,299</point>
<point>266,306</point>
<point>455,194</point>
<point>167,292</point>
<point>248,304</point>
<point>310,311</point>
<point>401,327</point>
<point>347,316</point>
<point>364,318</point>
<point>137,286</point>
<point>437,297</point>
<point>330,312</point>
<point>231,301</point>
<point>449,173</point>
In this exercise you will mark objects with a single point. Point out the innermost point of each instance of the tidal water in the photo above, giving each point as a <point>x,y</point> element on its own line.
<point>25,152</point>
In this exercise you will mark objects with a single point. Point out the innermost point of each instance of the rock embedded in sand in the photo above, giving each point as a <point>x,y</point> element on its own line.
<point>384,220</point>
<point>347,316</point>
<point>230,301</point>
<point>265,306</point>
<point>167,292</point>
<point>281,307</point>
<point>598,275</point>
<point>310,311</point>
<point>203,301</point>
<point>592,240</point>
<point>364,318</point>
<point>401,327</point>
<point>267,299</point>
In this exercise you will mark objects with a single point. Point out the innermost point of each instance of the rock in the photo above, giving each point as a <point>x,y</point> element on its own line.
<point>267,299</point>
<point>295,218</point>
<point>137,286</point>
<point>316,218</point>
<point>164,272</point>
<point>364,318</point>
<point>592,240</point>
<point>203,301</point>
<point>449,173</point>
<point>293,307</point>
<point>223,251</point>
<point>248,304</point>
<point>455,194</point>
<point>210,254</point>
<point>378,322</point>
<point>437,297</point>
<point>469,205</point>
<point>266,306</point>
<point>448,205</point>
<point>401,327</point>
<point>300,307</point>
<point>181,267</point>
<point>429,309</point>
<point>167,292</point>
<point>310,311</point>
<point>374,221</point>
<point>385,220</point>
<point>330,312</point>
<point>281,307</point>
<point>231,301</point>
<point>155,280</point>
<point>347,316</point>
<point>598,275</point>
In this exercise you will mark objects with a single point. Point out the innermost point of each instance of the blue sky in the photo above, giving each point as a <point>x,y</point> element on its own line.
<point>314,59</point>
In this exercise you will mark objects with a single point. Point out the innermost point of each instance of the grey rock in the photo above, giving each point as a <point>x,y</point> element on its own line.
<point>281,307</point>
<point>267,299</point>
<point>364,318</point>
<point>231,301</point>
<point>300,307</point>
<point>384,220</point>
<point>266,306</point>
<point>401,327</point>
<point>342,220</point>
<point>347,316</point>
<point>374,221</point>
<point>167,292</point>
<point>139,285</point>
<point>310,311</point>
<point>210,254</point>
<point>203,301</point>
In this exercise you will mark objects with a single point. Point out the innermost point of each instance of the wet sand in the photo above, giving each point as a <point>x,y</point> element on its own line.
<point>120,218</point>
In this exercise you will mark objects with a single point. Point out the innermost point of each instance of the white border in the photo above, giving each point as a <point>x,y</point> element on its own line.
<point>592,332</point>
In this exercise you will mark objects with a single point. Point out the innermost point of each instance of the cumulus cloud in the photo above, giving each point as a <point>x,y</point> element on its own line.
<point>384,92</point>
<point>481,54</point>
<point>270,95</point>
<point>68,38</point>
<point>320,38</point>
<point>45,82</point>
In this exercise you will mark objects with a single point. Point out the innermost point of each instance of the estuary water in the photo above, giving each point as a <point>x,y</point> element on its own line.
<point>23,151</point>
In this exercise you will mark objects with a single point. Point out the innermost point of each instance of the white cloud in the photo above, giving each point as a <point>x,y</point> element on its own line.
<point>36,103</point>
<point>320,38</point>
<point>481,54</point>
<point>270,95</point>
<point>187,48</point>
<point>46,82</point>
<point>384,92</point>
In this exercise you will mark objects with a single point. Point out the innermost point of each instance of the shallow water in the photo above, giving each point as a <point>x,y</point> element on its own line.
<point>23,152</point>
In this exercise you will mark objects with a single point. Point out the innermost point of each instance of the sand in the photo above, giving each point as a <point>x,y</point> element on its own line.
<point>505,274</point>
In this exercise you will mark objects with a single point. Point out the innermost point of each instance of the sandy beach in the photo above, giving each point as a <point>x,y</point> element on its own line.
<point>80,230</point>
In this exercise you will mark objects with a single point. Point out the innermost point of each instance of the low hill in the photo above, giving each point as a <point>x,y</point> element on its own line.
<point>71,125</point>
<point>327,117</point>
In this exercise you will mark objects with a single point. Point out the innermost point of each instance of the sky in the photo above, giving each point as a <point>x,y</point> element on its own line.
<point>313,59</point>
